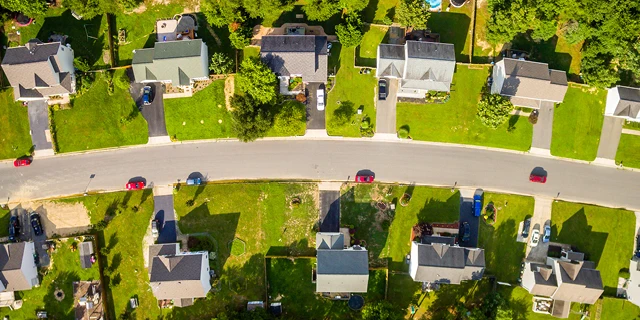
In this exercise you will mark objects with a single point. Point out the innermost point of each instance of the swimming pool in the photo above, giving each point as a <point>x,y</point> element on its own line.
<point>434,4</point>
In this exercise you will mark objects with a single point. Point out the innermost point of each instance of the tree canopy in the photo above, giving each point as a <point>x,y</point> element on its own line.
<point>256,79</point>
<point>413,14</point>
<point>350,31</point>
<point>380,311</point>
<point>321,10</point>
<point>31,8</point>
<point>493,110</point>
<point>251,119</point>
<point>220,63</point>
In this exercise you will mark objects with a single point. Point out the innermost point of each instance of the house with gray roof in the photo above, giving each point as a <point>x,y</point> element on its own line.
<point>567,279</point>
<point>296,56</point>
<point>40,71</point>
<point>18,270</point>
<point>340,270</point>
<point>633,289</point>
<point>419,66</point>
<point>176,276</point>
<point>179,63</point>
<point>435,260</point>
<point>623,102</point>
<point>528,83</point>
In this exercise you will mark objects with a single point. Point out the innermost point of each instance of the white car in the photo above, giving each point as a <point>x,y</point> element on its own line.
<point>320,99</point>
<point>535,237</point>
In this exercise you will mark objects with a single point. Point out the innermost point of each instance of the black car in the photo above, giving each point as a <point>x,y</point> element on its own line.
<point>14,229</point>
<point>35,223</point>
<point>526,227</point>
<point>467,232</point>
<point>382,89</point>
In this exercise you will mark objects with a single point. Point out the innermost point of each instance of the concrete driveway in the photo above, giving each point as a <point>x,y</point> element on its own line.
<point>154,113</point>
<point>541,217</point>
<point>466,215</point>
<point>39,124</point>
<point>165,214</point>
<point>329,211</point>
<point>315,117</point>
<point>542,130</point>
<point>610,137</point>
<point>386,109</point>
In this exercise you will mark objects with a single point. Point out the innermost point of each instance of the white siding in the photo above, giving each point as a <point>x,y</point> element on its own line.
<point>29,268</point>
<point>613,97</point>
<point>204,272</point>
<point>413,263</point>
<point>498,77</point>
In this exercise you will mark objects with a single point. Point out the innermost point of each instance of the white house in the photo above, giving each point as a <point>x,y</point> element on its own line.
<point>18,270</point>
<point>623,102</point>
<point>38,71</point>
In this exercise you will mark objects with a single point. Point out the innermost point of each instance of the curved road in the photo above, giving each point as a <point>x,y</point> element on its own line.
<point>320,160</point>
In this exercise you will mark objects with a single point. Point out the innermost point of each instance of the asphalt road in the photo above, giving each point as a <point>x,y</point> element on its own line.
<point>418,163</point>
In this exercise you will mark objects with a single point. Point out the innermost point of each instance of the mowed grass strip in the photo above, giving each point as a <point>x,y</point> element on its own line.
<point>629,151</point>
<point>15,139</point>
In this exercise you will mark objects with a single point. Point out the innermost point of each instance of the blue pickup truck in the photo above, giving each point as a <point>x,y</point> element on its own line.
<point>477,203</point>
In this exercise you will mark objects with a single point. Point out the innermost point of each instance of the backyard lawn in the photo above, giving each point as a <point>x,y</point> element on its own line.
<point>4,221</point>
<point>619,309</point>
<point>482,50</point>
<point>203,116</point>
<point>455,121</point>
<point>629,151</point>
<point>605,235</point>
<point>387,234</point>
<point>15,140</point>
<point>556,52</point>
<point>520,301</point>
<point>367,51</point>
<point>352,91</point>
<point>503,254</point>
<point>376,11</point>
<point>577,123</point>
<point>460,35</point>
<point>99,120</point>
<point>259,215</point>
<point>64,270</point>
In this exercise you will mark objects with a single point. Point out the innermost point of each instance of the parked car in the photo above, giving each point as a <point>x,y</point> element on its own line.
<point>146,95</point>
<point>537,178</point>
<point>135,185</point>
<point>35,223</point>
<point>320,99</point>
<point>477,204</point>
<point>382,89</point>
<point>362,178</point>
<point>22,162</point>
<point>526,227</point>
<point>535,237</point>
<point>154,228</point>
<point>467,232</point>
<point>194,182</point>
<point>14,229</point>
<point>547,234</point>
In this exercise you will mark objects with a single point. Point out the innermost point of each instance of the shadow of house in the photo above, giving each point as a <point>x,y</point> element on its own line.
<point>296,248</point>
<point>589,242</point>
<point>505,258</point>
<point>546,51</point>
<point>442,23</point>
<point>435,210</point>
<point>329,211</point>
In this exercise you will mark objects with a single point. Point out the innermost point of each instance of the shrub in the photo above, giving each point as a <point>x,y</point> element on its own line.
<point>301,97</point>
<point>386,20</point>
<point>220,63</point>
<point>190,203</point>
<point>533,117</point>
<point>493,110</point>
<point>403,133</point>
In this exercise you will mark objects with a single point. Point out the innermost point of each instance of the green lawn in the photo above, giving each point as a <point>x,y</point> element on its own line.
<point>367,51</point>
<point>65,269</point>
<point>261,215</point>
<point>454,27</point>
<point>378,9</point>
<point>351,92</point>
<point>290,283</point>
<point>556,52</point>
<point>358,209</point>
<point>15,140</point>
<point>482,50</point>
<point>140,28</point>
<point>99,120</point>
<point>4,221</point>
<point>577,123</point>
<point>631,125</point>
<point>605,235</point>
<point>455,121</point>
<point>629,151</point>
<point>520,301</point>
<point>503,254</point>
<point>88,38</point>
<point>203,116</point>
<point>619,309</point>
<point>251,52</point>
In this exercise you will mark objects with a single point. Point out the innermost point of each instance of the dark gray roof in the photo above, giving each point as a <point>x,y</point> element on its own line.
<point>175,61</point>
<point>343,262</point>
<point>289,55</point>
<point>177,49</point>
<point>438,239</point>
<point>391,51</point>
<point>526,69</point>
<point>444,263</point>
<point>86,250</point>
<point>177,276</point>
<point>163,249</point>
<point>430,50</point>
<point>629,103</point>
<point>329,240</point>
<point>532,80</point>
<point>39,52</point>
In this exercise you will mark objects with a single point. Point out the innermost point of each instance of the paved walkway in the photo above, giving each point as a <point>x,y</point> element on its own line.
<point>541,142</point>
<point>631,132</point>
<point>39,124</point>
<point>541,217</point>
<point>610,138</point>
<point>386,109</point>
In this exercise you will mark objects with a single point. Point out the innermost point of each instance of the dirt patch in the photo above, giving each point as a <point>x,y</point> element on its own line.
<point>229,89</point>
<point>142,8</point>
<point>60,218</point>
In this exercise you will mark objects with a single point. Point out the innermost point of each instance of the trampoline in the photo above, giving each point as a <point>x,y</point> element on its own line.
<point>356,302</point>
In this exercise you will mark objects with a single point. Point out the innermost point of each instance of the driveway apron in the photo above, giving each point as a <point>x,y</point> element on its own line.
<point>610,137</point>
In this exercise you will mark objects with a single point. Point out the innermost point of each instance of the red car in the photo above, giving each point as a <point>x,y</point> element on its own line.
<point>135,185</point>
<point>22,162</point>
<point>537,178</point>
<point>364,179</point>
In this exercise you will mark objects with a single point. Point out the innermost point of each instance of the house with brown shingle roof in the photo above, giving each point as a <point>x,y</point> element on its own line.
<point>528,83</point>
<point>38,71</point>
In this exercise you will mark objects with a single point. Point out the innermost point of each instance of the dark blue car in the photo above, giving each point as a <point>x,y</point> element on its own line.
<point>477,204</point>
<point>14,229</point>
<point>146,96</point>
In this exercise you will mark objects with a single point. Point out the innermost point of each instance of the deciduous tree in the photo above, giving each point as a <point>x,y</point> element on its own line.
<point>220,63</point>
<point>493,110</point>
<point>413,14</point>
<point>31,8</point>
<point>321,10</point>
<point>350,31</point>
<point>251,119</point>
<point>256,79</point>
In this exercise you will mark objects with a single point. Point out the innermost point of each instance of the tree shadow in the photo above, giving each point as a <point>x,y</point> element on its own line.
<point>545,51</point>
<point>512,123</point>
<point>344,113</point>
<point>295,248</point>
<point>113,241</point>
<point>115,262</point>
<point>368,61</point>
<point>501,259</point>
<point>520,307</point>
<point>450,298</point>
<point>61,309</point>
<point>435,210</point>
<point>441,23</point>
<point>291,16</point>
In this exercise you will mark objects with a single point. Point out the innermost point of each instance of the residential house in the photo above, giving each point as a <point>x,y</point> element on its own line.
<point>178,63</point>
<point>567,279</point>
<point>18,270</point>
<point>633,288</point>
<point>177,276</point>
<point>340,270</point>
<point>528,83</point>
<point>292,56</point>
<point>420,66</point>
<point>623,102</point>
<point>40,71</point>
<point>436,259</point>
